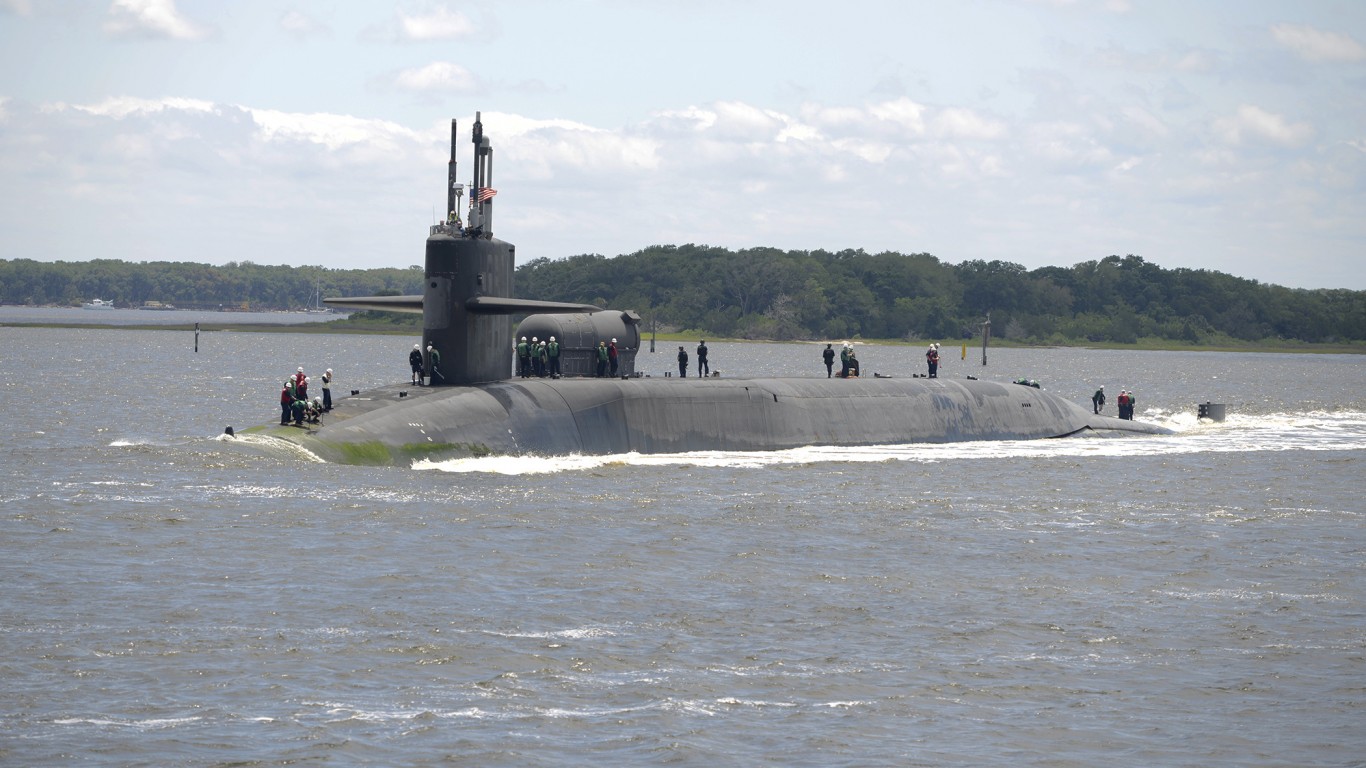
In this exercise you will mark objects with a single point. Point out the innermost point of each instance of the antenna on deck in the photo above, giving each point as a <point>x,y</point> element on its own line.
<point>452,188</point>
<point>481,188</point>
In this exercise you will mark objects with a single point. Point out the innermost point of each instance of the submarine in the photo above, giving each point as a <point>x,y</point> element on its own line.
<point>471,404</point>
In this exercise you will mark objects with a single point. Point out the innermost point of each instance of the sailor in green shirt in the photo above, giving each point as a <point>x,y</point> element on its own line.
<point>552,351</point>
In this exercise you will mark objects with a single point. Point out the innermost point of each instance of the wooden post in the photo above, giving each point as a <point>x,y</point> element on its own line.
<point>986,337</point>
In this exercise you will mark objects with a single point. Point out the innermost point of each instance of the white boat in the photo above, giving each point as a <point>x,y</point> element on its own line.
<point>318,308</point>
<point>98,304</point>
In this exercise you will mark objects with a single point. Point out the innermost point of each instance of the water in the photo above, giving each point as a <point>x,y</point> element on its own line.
<point>130,316</point>
<point>172,597</point>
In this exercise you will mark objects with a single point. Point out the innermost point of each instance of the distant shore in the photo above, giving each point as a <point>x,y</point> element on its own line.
<point>346,326</point>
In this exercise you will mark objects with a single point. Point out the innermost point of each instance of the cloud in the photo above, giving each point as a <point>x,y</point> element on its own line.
<point>437,76</point>
<point>302,26</point>
<point>1253,123</point>
<point>1317,45</point>
<point>152,19</point>
<point>120,107</point>
<point>331,131</point>
<point>20,7</point>
<point>904,114</point>
<point>440,24</point>
<point>960,123</point>
<point>162,177</point>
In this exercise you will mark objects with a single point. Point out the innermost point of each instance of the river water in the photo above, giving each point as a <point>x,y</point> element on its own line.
<point>173,597</point>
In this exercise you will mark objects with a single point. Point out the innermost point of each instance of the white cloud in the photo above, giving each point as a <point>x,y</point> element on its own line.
<point>1318,45</point>
<point>903,113</point>
<point>440,24</point>
<point>119,107</point>
<point>1253,123</point>
<point>332,131</point>
<point>1150,124</point>
<point>21,7</point>
<point>437,76</point>
<point>151,18</point>
<point>301,25</point>
<point>959,123</point>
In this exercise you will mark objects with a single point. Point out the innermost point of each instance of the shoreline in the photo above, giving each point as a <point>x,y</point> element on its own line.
<point>331,327</point>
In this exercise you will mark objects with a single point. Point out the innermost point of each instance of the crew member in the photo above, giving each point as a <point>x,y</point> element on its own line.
<point>523,358</point>
<point>415,362</point>
<point>829,357</point>
<point>552,353</point>
<point>612,357</point>
<point>702,368</point>
<point>682,363</point>
<point>1098,399</point>
<point>286,400</point>
<point>327,390</point>
<point>434,356</point>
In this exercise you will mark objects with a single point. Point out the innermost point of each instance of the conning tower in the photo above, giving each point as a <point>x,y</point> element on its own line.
<point>466,300</point>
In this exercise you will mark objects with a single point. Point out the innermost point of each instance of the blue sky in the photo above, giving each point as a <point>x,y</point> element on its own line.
<point>1212,135</point>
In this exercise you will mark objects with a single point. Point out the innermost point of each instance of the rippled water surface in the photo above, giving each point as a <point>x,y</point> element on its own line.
<point>173,597</point>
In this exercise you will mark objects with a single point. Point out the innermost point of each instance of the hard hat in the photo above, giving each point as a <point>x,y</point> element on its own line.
<point>301,370</point>
<point>614,341</point>
<point>417,346</point>
<point>523,338</point>
<point>329,370</point>
<point>552,338</point>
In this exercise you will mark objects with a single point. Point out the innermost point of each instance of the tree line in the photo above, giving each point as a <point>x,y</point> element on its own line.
<point>766,293</point>
<point>233,286</point>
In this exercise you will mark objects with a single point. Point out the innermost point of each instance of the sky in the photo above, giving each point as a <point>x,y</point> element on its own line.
<point>1228,136</point>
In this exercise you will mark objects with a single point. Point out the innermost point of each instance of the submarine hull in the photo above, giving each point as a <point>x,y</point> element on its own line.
<point>475,408</point>
<point>611,416</point>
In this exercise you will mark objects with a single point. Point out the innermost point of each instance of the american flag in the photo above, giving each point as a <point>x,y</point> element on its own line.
<point>484,193</point>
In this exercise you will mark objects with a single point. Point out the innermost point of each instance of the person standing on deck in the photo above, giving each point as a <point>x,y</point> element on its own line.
<point>552,353</point>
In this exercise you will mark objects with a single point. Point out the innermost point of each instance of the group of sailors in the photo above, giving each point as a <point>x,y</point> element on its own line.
<point>416,362</point>
<point>295,405</point>
<point>1125,402</point>
<point>849,365</point>
<point>703,365</point>
<point>542,358</point>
